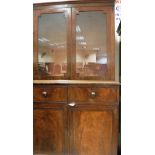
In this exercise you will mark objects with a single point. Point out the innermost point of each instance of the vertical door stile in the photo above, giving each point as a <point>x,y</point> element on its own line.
<point>35,42</point>
<point>68,16</point>
<point>68,126</point>
<point>73,44</point>
<point>114,131</point>
<point>69,123</point>
<point>110,45</point>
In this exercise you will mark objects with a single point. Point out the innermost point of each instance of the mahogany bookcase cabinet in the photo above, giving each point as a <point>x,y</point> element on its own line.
<point>75,92</point>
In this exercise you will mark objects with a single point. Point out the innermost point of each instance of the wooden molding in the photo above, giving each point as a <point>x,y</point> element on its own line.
<point>75,82</point>
<point>55,2</point>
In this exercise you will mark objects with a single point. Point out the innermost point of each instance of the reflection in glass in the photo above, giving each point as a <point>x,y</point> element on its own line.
<point>91,50</point>
<point>52,53</point>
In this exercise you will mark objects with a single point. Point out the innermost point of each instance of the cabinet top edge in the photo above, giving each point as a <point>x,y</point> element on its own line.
<point>54,2</point>
<point>75,82</point>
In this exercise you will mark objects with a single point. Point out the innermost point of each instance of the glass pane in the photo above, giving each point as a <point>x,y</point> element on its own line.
<point>91,50</point>
<point>52,55</point>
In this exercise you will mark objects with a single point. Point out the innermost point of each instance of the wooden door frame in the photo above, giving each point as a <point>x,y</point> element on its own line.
<point>110,41</point>
<point>71,37</point>
<point>36,14</point>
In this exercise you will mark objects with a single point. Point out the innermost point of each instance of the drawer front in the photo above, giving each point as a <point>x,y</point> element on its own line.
<point>49,94</point>
<point>101,95</point>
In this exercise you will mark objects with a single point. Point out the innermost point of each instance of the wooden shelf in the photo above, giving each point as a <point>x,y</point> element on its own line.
<point>75,82</point>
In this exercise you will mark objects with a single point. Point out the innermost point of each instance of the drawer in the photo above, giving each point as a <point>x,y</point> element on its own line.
<point>49,94</point>
<point>101,95</point>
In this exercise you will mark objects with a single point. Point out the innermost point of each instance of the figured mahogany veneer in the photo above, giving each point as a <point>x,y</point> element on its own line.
<point>92,132</point>
<point>48,94</point>
<point>95,95</point>
<point>48,131</point>
<point>83,124</point>
<point>74,115</point>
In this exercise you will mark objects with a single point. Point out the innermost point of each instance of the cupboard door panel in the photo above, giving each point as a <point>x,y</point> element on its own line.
<point>48,132</point>
<point>92,132</point>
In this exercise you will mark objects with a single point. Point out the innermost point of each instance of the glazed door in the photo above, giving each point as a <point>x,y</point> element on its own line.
<point>93,43</point>
<point>51,44</point>
<point>49,130</point>
<point>93,130</point>
<point>74,43</point>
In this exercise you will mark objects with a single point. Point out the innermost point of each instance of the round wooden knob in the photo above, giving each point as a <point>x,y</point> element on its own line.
<point>93,94</point>
<point>72,104</point>
<point>44,93</point>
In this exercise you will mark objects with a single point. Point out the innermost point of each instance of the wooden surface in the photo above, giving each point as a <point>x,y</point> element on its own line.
<point>55,2</point>
<point>92,132</point>
<point>72,130</point>
<point>94,95</point>
<point>75,82</point>
<point>54,94</point>
<point>108,11</point>
<point>68,120</point>
<point>71,42</point>
<point>49,133</point>
<point>37,74</point>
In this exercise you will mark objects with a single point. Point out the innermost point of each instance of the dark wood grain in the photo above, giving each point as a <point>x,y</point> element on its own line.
<point>92,131</point>
<point>87,124</point>
<point>115,131</point>
<point>54,94</point>
<point>90,127</point>
<point>49,133</point>
<point>103,95</point>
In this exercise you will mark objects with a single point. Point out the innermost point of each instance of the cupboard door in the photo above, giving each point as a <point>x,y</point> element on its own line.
<point>51,30</point>
<point>94,44</point>
<point>93,131</point>
<point>49,131</point>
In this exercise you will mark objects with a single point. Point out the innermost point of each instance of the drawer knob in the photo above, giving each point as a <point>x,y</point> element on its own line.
<point>72,104</point>
<point>44,93</point>
<point>93,93</point>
